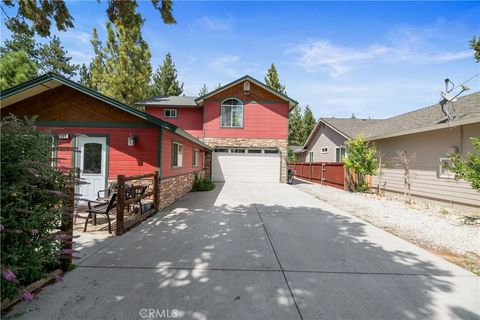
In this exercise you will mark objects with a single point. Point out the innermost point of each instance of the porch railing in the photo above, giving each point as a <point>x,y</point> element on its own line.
<point>122,203</point>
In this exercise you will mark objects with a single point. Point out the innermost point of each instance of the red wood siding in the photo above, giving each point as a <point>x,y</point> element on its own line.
<point>167,170</point>
<point>328,173</point>
<point>188,119</point>
<point>261,120</point>
<point>139,159</point>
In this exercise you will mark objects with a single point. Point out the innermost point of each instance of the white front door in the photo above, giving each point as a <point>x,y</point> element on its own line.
<point>92,162</point>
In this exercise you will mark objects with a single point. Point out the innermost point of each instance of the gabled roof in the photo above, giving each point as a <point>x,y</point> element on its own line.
<point>346,127</point>
<point>177,101</point>
<point>292,103</point>
<point>465,110</point>
<point>50,81</point>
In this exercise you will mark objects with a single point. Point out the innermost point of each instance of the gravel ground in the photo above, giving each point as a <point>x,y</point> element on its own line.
<point>425,227</point>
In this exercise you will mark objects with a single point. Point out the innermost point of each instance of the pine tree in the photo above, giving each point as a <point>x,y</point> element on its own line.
<point>309,123</point>
<point>121,68</point>
<point>16,68</point>
<point>218,86</point>
<point>475,46</point>
<point>52,57</point>
<point>295,127</point>
<point>165,81</point>
<point>203,91</point>
<point>272,80</point>
<point>85,76</point>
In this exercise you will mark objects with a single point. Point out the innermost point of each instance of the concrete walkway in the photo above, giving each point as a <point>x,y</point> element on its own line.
<point>257,251</point>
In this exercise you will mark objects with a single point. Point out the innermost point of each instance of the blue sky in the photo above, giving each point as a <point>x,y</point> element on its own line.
<point>373,59</point>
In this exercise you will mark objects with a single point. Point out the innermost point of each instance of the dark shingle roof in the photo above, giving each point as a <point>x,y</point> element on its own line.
<point>464,108</point>
<point>177,101</point>
<point>349,127</point>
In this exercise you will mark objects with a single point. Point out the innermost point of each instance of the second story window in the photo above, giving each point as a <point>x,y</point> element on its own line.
<point>231,114</point>
<point>170,113</point>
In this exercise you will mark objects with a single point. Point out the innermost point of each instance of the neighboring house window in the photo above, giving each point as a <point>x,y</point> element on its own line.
<point>231,113</point>
<point>340,153</point>
<point>177,155</point>
<point>324,149</point>
<point>444,172</point>
<point>195,157</point>
<point>310,156</point>
<point>203,159</point>
<point>170,113</point>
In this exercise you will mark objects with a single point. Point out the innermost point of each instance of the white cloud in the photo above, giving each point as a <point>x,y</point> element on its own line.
<point>322,55</point>
<point>233,66</point>
<point>217,24</point>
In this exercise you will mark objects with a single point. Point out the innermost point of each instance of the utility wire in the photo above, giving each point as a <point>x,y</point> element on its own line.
<point>478,74</point>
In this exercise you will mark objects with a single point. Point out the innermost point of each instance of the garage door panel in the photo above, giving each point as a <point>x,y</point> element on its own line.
<point>246,167</point>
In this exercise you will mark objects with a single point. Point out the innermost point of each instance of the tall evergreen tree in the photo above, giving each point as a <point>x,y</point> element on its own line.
<point>272,80</point>
<point>15,68</point>
<point>203,90</point>
<point>475,46</point>
<point>85,76</point>
<point>165,81</point>
<point>121,68</point>
<point>295,127</point>
<point>52,57</point>
<point>309,123</point>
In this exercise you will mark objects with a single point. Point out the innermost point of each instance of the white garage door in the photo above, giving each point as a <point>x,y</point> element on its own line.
<point>247,165</point>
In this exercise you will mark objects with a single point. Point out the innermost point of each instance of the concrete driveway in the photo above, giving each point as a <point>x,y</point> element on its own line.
<point>257,251</point>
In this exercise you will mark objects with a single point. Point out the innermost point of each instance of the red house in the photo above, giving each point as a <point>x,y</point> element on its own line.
<point>111,137</point>
<point>245,122</point>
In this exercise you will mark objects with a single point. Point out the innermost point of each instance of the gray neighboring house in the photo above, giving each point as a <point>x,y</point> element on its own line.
<point>326,142</point>
<point>427,132</point>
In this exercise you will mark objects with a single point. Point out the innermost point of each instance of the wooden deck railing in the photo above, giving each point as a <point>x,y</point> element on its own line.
<point>123,203</point>
<point>327,173</point>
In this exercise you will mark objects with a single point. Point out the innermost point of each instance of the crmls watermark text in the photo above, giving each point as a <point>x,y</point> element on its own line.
<point>158,313</point>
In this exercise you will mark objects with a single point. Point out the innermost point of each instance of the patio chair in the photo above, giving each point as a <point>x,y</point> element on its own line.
<point>106,194</point>
<point>103,208</point>
<point>133,192</point>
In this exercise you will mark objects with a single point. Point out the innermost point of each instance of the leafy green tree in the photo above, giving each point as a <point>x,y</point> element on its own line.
<point>15,68</point>
<point>295,127</point>
<point>468,169</point>
<point>362,160</point>
<point>53,58</point>
<point>165,81</point>
<point>475,45</point>
<point>309,123</point>
<point>271,80</point>
<point>121,68</point>
<point>203,90</point>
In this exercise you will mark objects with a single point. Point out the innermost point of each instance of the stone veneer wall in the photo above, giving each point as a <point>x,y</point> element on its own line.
<point>173,188</point>
<point>281,144</point>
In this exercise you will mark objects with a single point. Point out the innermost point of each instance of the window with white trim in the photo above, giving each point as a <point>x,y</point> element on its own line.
<point>237,150</point>
<point>231,113</point>
<point>443,170</point>
<point>177,155</point>
<point>310,156</point>
<point>195,158</point>
<point>324,150</point>
<point>170,113</point>
<point>340,153</point>
<point>203,159</point>
<point>221,150</point>
<point>270,151</point>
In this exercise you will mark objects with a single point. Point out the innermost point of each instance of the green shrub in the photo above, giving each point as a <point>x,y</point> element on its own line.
<point>202,184</point>
<point>362,159</point>
<point>468,168</point>
<point>33,194</point>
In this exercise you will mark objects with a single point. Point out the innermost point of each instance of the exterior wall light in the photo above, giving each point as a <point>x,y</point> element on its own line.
<point>132,139</point>
<point>246,87</point>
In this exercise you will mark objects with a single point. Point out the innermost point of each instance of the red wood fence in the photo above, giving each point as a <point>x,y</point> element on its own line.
<point>328,173</point>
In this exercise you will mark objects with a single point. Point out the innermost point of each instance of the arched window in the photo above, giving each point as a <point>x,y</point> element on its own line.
<point>231,113</point>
